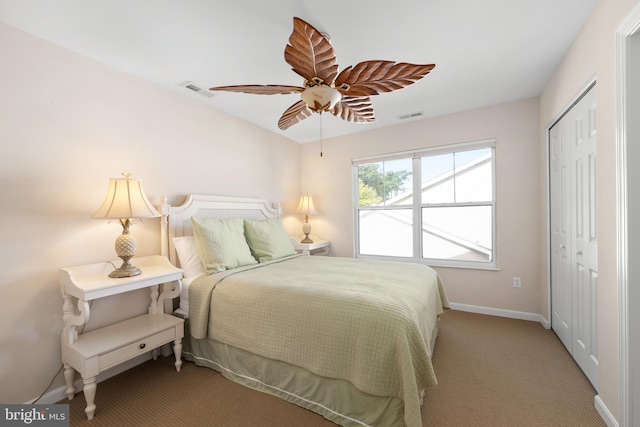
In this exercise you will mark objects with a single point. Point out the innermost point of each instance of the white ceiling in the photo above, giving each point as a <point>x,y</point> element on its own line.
<point>486,51</point>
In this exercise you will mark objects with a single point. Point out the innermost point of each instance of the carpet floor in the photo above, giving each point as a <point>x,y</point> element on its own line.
<point>492,371</point>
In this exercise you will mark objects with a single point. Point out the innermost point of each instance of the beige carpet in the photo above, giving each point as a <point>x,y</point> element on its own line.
<point>495,372</point>
<point>491,371</point>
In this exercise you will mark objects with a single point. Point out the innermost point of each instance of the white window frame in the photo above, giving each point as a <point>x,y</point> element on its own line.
<point>417,206</point>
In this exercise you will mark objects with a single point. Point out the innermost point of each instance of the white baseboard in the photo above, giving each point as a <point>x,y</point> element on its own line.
<point>522,315</point>
<point>605,413</point>
<point>59,393</point>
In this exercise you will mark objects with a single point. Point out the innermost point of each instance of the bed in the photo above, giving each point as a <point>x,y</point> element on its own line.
<point>349,339</point>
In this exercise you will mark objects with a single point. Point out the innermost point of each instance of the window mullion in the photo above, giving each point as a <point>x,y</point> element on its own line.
<point>417,210</point>
<point>356,211</point>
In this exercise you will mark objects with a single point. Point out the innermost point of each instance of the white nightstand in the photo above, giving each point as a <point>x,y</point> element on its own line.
<point>103,348</point>
<point>318,247</point>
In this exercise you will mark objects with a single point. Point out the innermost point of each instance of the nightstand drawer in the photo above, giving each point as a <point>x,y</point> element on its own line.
<point>137,348</point>
<point>103,348</point>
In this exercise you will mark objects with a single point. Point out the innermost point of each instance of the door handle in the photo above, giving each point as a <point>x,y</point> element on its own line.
<point>579,253</point>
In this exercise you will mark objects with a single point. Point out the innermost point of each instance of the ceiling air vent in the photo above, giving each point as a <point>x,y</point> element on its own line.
<point>194,87</point>
<point>411,115</point>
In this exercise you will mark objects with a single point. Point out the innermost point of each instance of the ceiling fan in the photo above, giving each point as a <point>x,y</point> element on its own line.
<point>345,95</point>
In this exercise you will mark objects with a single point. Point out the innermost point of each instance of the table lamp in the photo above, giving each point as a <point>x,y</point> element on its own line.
<point>125,201</point>
<point>306,207</point>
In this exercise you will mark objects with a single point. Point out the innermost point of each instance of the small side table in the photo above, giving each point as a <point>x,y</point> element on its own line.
<point>103,348</point>
<point>318,247</point>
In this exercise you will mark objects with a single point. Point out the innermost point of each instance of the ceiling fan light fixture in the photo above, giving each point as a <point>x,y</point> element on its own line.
<point>344,94</point>
<point>321,97</point>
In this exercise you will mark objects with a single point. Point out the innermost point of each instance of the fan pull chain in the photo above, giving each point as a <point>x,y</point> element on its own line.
<point>320,134</point>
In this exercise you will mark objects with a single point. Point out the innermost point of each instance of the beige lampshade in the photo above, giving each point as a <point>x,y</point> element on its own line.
<point>126,199</point>
<point>306,205</point>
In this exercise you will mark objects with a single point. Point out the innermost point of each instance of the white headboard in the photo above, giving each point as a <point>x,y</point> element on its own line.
<point>176,220</point>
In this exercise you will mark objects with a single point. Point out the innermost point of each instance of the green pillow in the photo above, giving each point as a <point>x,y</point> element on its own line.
<point>221,244</point>
<point>268,239</point>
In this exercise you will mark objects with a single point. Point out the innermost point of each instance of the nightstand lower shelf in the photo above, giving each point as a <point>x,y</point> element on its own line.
<point>101,349</point>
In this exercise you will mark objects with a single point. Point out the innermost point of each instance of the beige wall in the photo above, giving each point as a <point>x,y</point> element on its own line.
<point>515,128</point>
<point>594,54</point>
<point>68,124</point>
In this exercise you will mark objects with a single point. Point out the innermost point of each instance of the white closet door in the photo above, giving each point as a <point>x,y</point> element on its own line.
<point>574,244</point>
<point>561,301</point>
<point>585,242</point>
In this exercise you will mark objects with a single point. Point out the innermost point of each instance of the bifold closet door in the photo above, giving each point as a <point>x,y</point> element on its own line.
<point>559,178</point>
<point>574,243</point>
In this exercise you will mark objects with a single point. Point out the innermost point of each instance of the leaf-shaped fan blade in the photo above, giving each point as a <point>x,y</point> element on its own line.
<point>310,53</point>
<point>294,114</point>
<point>261,89</point>
<point>374,77</point>
<point>356,110</point>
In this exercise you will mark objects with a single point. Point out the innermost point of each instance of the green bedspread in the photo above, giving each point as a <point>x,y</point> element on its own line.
<point>367,322</point>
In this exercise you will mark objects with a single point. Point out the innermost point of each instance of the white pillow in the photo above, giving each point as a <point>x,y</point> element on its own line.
<point>188,256</point>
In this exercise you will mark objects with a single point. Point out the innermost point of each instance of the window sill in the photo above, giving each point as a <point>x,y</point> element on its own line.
<point>456,265</point>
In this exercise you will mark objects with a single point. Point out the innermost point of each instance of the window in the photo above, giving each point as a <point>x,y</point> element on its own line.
<point>433,205</point>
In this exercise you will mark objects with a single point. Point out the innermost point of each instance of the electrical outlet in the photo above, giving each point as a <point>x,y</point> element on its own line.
<point>517,282</point>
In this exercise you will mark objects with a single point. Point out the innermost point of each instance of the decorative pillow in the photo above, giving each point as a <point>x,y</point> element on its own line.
<point>221,244</point>
<point>268,239</point>
<point>188,256</point>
